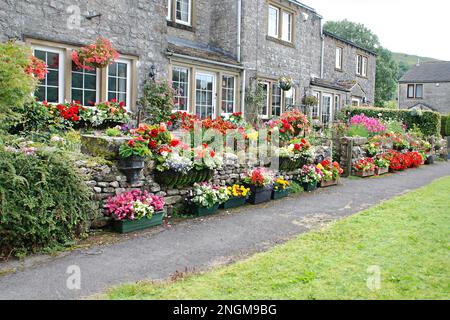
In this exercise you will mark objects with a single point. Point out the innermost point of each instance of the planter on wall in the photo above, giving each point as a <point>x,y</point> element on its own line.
<point>234,203</point>
<point>279,194</point>
<point>127,226</point>
<point>202,211</point>
<point>132,168</point>
<point>259,195</point>
<point>173,179</point>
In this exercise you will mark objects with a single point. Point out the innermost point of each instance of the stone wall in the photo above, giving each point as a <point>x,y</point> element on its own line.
<point>352,149</point>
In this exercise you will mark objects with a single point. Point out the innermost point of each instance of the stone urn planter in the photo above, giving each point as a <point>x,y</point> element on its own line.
<point>259,195</point>
<point>127,226</point>
<point>132,168</point>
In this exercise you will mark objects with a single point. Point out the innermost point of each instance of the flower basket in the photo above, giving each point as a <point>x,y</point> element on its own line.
<point>127,226</point>
<point>280,194</point>
<point>259,195</point>
<point>202,211</point>
<point>382,171</point>
<point>132,168</point>
<point>309,187</point>
<point>326,184</point>
<point>234,203</point>
<point>365,174</point>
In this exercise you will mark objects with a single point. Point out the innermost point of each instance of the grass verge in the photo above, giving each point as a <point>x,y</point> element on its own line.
<point>406,239</point>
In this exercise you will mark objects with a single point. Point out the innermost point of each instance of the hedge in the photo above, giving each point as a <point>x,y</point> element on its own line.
<point>429,122</point>
<point>445,125</point>
<point>44,203</point>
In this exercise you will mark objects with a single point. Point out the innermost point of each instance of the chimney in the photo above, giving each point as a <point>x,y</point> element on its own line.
<point>418,62</point>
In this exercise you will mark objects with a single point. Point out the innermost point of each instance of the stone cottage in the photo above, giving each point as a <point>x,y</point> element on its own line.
<point>214,51</point>
<point>427,86</point>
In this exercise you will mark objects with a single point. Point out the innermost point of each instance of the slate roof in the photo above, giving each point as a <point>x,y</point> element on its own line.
<point>435,71</point>
<point>351,43</point>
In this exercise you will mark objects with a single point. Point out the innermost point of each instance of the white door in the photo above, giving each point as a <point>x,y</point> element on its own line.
<point>205,95</point>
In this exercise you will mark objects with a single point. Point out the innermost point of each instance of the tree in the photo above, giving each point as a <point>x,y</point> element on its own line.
<point>387,68</point>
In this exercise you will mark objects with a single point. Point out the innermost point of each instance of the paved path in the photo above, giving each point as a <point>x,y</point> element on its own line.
<point>203,243</point>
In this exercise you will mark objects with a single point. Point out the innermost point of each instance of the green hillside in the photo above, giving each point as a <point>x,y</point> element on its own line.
<point>406,61</point>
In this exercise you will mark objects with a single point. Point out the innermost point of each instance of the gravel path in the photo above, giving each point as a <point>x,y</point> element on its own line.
<point>202,243</point>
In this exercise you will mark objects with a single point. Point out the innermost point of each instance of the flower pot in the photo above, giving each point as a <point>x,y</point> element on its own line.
<point>285,86</point>
<point>365,174</point>
<point>430,159</point>
<point>132,168</point>
<point>202,211</point>
<point>325,184</point>
<point>127,226</point>
<point>381,171</point>
<point>234,203</point>
<point>259,195</point>
<point>279,194</point>
<point>309,187</point>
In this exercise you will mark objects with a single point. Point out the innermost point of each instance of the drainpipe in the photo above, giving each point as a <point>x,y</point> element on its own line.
<point>238,53</point>
<point>322,49</point>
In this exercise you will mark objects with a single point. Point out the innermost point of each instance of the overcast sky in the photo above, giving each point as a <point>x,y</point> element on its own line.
<point>420,27</point>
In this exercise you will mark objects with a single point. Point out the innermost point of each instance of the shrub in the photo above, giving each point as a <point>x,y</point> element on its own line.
<point>445,127</point>
<point>16,85</point>
<point>357,130</point>
<point>429,122</point>
<point>158,102</point>
<point>44,204</point>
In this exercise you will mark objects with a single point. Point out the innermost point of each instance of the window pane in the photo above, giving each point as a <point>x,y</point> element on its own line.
<point>40,93</point>
<point>90,82</point>
<point>53,60</point>
<point>112,84</point>
<point>52,94</point>
<point>338,58</point>
<point>273,21</point>
<point>419,91</point>
<point>122,70</point>
<point>287,27</point>
<point>40,55</point>
<point>53,78</point>
<point>410,91</point>
<point>77,95</point>
<point>276,100</point>
<point>112,69</point>
<point>227,94</point>
<point>122,85</point>
<point>183,10</point>
<point>77,80</point>
<point>90,98</point>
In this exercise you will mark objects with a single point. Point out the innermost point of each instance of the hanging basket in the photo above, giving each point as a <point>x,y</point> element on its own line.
<point>285,83</point>
<point>97,55</point>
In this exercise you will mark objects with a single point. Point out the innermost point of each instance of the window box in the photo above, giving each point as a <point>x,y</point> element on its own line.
<point>309,187</point>
<point>276,195</point>
<point>202,211</point>
<point>127,226</point>
<point>365,174</point>
<point>234,203</point>
<point>259,195</point>
<point>382,171</point>
<point>326,184</point>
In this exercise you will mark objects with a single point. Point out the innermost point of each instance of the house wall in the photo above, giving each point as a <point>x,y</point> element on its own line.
<point>437,97</point>
<point>267,58</point>
<point>348,71</point>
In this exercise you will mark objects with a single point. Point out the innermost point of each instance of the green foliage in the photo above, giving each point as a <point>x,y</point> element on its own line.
<point>157,102</point>
<point>445,131</point>
<point>134,148</point>
<point>43,201</point>
<point>255,101</point>
<point>113,132</point>
<point>387,67</point>
<point>429,122</point>
<point>357,130</point>
<point>295,188</point>
<point>16,86</point>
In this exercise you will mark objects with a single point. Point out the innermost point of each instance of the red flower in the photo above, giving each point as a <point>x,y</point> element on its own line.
<point>154,133</point>
<point>174,143</point>
<point>212,154</point>
<point>152,144</point>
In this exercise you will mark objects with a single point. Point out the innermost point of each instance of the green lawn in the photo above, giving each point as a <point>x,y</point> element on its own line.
<point>407,237</point>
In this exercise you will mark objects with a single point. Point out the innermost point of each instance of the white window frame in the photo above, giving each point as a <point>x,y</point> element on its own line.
<point>362,63</point>
<point>61,68</point>
<point>357,100</point>
<point>169,10</point>
<point>128,92</point>
<point>274,85</point>
<point>97,87</point>
<point>267,84</point>
<point>326,96</point>
<point>339,54</point>
<point>319,100</point>
<point>276,34</point>
<point>214,91</point>
<point>186,23</point>
<point>188,87</point>
<point>365,62</point>
<point>234,94</point>
<point>288,23</point>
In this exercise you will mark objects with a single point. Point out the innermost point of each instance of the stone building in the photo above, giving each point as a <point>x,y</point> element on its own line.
<point>427,86</point>
<point>215,52</point>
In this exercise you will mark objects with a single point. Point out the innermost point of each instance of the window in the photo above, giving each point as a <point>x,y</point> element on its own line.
<point>265,104</point>
<point>273,21</point>
<point>118,85</point>
<point>356,102</point>
<point>228,94</point>
<point>286,34</point>
<point>276,100</point>
<point>51,89</point>
<point>339,58</point>
<point>289,99</point>
<point>280,24</point>
<point>180,79</point>
<point>327,104</point>
<point>315,109</point>
<point>183,12</point>
<point>415,91</point>
<point>361,65</point>
<point>205,93</point>
<point>84,86</point>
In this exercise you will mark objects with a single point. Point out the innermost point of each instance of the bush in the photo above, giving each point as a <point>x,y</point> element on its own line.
<point>44,204</point>
<point>158,102</point>
<point>429,122</point>
<point>16,86</point>
<point>445,127</point>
